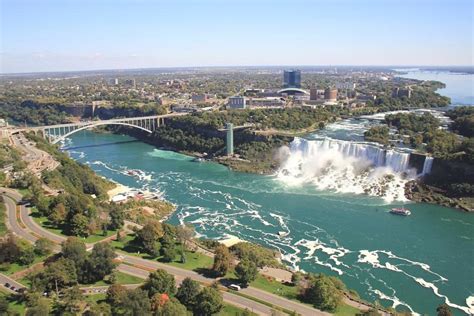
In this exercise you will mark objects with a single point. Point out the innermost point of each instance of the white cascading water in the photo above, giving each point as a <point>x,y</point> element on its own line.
<point>427,165</point>
<point>347,167</point>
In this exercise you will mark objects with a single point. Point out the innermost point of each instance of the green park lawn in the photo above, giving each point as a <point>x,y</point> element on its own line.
<point>15,267</point>
<point>14,304</point>
<point>122,278</point>
<point>44,222</point>
<point>194,260</point>
<point>346,310</point>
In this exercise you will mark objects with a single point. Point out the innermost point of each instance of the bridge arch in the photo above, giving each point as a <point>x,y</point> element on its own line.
<point>62,137</point>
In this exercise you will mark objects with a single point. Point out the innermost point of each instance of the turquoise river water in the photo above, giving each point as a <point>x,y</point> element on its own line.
<point>413,263</point>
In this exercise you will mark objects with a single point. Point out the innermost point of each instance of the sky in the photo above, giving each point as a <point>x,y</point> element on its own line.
<point>65,35</point>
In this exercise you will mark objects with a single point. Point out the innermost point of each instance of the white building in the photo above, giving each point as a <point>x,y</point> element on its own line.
<point>237,102</point>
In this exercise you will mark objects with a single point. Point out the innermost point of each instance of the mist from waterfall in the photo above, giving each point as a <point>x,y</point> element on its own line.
<point>346,167</point>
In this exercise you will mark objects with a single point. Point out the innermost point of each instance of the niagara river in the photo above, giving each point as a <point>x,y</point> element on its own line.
<point>331,198</point>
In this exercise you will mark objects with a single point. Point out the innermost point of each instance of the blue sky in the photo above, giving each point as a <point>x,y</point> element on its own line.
<point>57,35</point>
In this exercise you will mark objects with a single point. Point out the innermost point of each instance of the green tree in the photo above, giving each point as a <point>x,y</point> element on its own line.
<point>27,255</point>
<point>444,310</point>
<point>43,246</point>
<point>41,307</point>
<point>149,237</point>
<point>99,309</point>
<point>160,281</point>
<point>115,295</point>
<point>58,215</point>
<point>3,305</point>
<point>117,217</point>
<point>209,301</point>
<point>99,263</point>
<point>172,308</point>
<point>56,276</point>
<point>80,225</point>
<point>222,260</point>
<point>246,271</point>
<point>74,249</point>
<point>323,293</point>
<point>136,303</point>
<point>187,293</point>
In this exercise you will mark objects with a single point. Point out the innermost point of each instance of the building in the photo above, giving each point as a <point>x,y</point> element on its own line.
<point>292,79</point>
<point>316,94</point>
<point>200,98</point>
<point>237,102</point>
<point>272,102</point>
<point>3,123</point>
<point>330,94</point>
<point>345,85</point>
<point>113,81</point>
<point>131,82</point>
<point>399,93</point>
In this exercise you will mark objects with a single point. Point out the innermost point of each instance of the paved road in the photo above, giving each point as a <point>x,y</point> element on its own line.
<point>136,266</point>
<point>5,279</point>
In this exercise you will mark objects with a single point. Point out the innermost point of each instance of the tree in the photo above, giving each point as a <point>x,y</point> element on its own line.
<point>115,294</point>
<point>40,308</point>
<point>444,310</point>
<point>136,303</point>
<point>9,249</point>
<point>168,248</point>
<point>3,305</point>
<point>222,260</point>
<point>160,281</point>
<point>370,312</point>
<point>209,301</point>
<point>149,235</point>
<point>184,233</point>
<point>57,275</point>
<point>80,225</point>
<point>117,217</point>
<point>58,215</point>
<point>246,271</point>
<point>43,246</point>
<point>171,308</point>
<point>187,293</point>
<point>74,249</point>
<point>99,309</point>
<point>322,293</point>
<point>72,301</point>
<point>100,262</point>
<point>27,255</point>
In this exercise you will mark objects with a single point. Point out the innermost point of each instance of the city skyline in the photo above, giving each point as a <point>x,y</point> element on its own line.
<point>50,36</point>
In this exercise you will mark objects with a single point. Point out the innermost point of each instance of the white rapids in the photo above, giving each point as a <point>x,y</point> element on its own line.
<point>348,167</point>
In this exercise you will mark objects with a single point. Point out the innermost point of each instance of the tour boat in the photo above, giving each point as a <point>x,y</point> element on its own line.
<point>400,211</point>
<point>282,234</point>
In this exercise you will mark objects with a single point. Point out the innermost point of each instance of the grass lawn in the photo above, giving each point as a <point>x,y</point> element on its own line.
<point>346,310</point>
<point>44,222</point>
<point>122,278</point>
<point>194,260</point>
<point>231,310</point>
<point>271,285</point>
<point>15,267</point>
<point>13,304</point>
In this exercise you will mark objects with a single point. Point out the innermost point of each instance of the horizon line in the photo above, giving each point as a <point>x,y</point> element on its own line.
<point>230,66</point>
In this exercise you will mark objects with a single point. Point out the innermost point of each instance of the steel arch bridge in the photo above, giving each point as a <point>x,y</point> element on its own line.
<point>59,132</point>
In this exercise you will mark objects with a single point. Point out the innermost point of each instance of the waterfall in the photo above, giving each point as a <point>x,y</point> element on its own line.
<point>345,166</point>
<point>427,165</point>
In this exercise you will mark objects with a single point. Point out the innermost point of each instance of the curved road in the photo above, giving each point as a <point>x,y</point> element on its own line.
<point>141,267</point>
